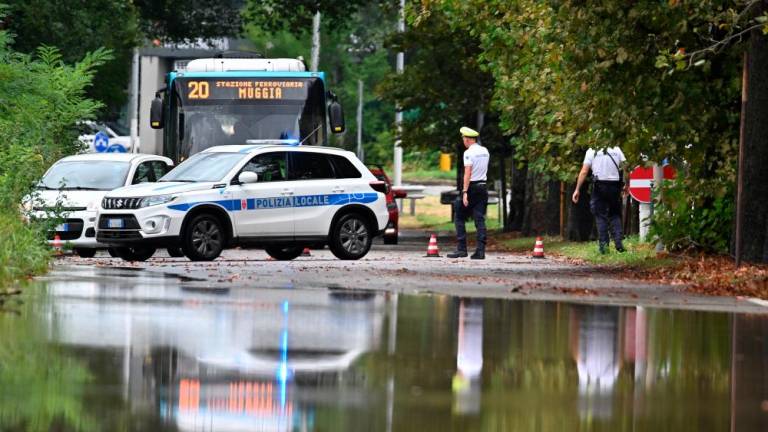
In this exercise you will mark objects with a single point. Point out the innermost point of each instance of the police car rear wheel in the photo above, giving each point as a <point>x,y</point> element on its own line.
<point>350,238</point>
<point>204,239</point>
<point>135,253</point>
<point>284,253</point>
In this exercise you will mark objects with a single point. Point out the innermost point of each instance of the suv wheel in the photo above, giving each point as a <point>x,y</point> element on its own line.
<point>135,253</point>
<point>284,253</point>
<point>85,253</point>
<point>203,239</point>
<point>350,237</point>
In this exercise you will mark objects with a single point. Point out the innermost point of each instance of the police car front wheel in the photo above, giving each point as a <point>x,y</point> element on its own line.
<point>351,237</point>
<point>203,239</point>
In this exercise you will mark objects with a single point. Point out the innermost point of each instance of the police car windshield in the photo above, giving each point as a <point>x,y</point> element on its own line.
<point>203,167</point>
<point>85,175</point>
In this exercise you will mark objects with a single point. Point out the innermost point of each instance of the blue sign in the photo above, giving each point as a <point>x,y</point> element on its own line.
<point>101,142</point>
<point>116,148</point>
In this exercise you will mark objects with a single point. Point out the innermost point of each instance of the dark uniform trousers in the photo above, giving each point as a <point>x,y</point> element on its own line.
<point>606,206</point>
<point>477,195</point>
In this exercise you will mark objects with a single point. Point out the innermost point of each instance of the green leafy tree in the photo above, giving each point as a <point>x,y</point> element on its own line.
<point>43,98</point>
<point>296,15</point>
<point>174,21</point>
<point>76,28</point>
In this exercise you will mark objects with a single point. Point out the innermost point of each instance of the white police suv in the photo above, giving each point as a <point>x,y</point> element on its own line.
<point>279,197</point>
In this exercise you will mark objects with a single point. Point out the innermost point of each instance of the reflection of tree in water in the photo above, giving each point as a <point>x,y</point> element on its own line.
<point>42,388</point>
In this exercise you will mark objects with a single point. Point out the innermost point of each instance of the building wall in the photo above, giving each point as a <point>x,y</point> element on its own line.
<point>153,71</point>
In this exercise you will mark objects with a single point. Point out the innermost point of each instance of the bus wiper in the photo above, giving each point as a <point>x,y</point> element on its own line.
<point>310,134</point>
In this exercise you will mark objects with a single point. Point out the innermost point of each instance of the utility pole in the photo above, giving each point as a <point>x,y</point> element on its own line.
<point>315,55</point>
<point>134,102</point>
<point>360,153</point>
<point>739,241</point>
<point>658,179</point>
<point>399,113</point>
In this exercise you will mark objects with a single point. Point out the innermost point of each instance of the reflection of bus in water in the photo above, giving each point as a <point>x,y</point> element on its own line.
<point>239,363</point>
<point>220,101</point>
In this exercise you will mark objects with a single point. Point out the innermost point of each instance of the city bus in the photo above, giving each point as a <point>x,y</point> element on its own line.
<point>225,101</point>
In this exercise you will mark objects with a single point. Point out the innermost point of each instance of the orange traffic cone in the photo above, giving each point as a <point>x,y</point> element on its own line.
<point>306,252</point>
<point>538,248</point>
<point>432,250</point>
<point>57,244</point>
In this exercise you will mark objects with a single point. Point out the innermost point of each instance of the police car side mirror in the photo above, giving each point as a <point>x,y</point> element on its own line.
<point>156,120</point>
<point>336,117</point>
<point>246,177</point>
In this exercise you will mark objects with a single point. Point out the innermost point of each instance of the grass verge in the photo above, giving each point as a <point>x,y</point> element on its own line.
<point>638,254</point>
<point>433,216</point>
<point>23,252</point>
<point>428,175</point>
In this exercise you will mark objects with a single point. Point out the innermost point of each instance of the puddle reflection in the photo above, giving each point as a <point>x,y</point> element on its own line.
<point>150,354</point>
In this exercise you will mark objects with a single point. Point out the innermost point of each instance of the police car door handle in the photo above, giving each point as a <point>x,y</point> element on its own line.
<point>287,192</point>
<point>337,189</point>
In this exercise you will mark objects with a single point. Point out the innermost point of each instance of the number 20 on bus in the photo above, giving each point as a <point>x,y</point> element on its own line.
<point>199,90</point>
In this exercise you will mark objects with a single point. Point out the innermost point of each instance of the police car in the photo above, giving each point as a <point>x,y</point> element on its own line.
<point>277,197</point>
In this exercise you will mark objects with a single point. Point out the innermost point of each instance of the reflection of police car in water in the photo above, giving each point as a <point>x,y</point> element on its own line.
<point>279,197</point>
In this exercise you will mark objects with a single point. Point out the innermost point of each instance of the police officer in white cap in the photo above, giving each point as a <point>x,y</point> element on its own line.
<point>474,195</point>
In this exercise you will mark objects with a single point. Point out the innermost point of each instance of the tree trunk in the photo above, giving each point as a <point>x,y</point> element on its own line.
<point>755,174</point>
<point>551,224</point>
<point>580,220</point>
<point>528,203</point>
<point>517,201</point>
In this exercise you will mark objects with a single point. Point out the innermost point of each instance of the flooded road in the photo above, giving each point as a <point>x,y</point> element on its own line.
<point>92,349</point>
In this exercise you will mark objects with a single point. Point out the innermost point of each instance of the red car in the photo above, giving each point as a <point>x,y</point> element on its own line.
<point>392,231</point>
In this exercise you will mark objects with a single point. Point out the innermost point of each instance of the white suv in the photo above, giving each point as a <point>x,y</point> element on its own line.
<point>75,186</point>
<point>279,197</point>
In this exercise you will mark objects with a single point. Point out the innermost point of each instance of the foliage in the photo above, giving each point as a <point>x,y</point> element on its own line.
<point>695,217</point>
<point>296,15</point>
<point>442,87</point>
<point>42,99</point>
<point>352,52</point>
<point>79,27</point>
<point>173,21</point>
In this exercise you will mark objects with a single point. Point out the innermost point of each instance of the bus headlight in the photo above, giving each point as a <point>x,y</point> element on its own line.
<point>156,200</point>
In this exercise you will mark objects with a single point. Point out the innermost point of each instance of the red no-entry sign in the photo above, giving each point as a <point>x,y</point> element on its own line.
<point>640,182</point>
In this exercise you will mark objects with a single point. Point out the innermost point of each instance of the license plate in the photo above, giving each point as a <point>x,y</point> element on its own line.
<point>62,227</point>
<point>114,223</point>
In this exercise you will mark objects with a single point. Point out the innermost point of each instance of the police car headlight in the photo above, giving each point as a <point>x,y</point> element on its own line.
<point>156,200</point>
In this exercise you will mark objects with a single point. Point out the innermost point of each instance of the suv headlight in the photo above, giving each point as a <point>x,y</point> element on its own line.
<point>156,200</point>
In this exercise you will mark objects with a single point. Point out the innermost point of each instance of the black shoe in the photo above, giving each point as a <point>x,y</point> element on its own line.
<point>620,249</point>
<point>457,254</point>
<point>478,255</point>
<point>603,249</point>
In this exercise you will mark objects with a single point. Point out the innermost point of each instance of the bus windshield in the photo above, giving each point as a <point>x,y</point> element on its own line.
<point>232,111</point>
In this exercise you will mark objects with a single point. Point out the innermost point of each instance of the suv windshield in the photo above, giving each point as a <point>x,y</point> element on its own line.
<point>204,167</point>
<point>85,175</point>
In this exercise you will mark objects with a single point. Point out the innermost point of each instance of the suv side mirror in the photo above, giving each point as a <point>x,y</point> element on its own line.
<point>156,118</point>
<point>336,117</point>
<point>246,177</point>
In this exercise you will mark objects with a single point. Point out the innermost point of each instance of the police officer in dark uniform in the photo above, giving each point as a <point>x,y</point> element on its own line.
<point>606,193</point>
<point>474,197</point>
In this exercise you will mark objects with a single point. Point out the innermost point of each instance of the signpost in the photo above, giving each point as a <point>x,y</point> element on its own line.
<point>640,186</point>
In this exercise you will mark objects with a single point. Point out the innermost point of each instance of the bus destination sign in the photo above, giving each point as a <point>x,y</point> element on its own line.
<point>244,89</point>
